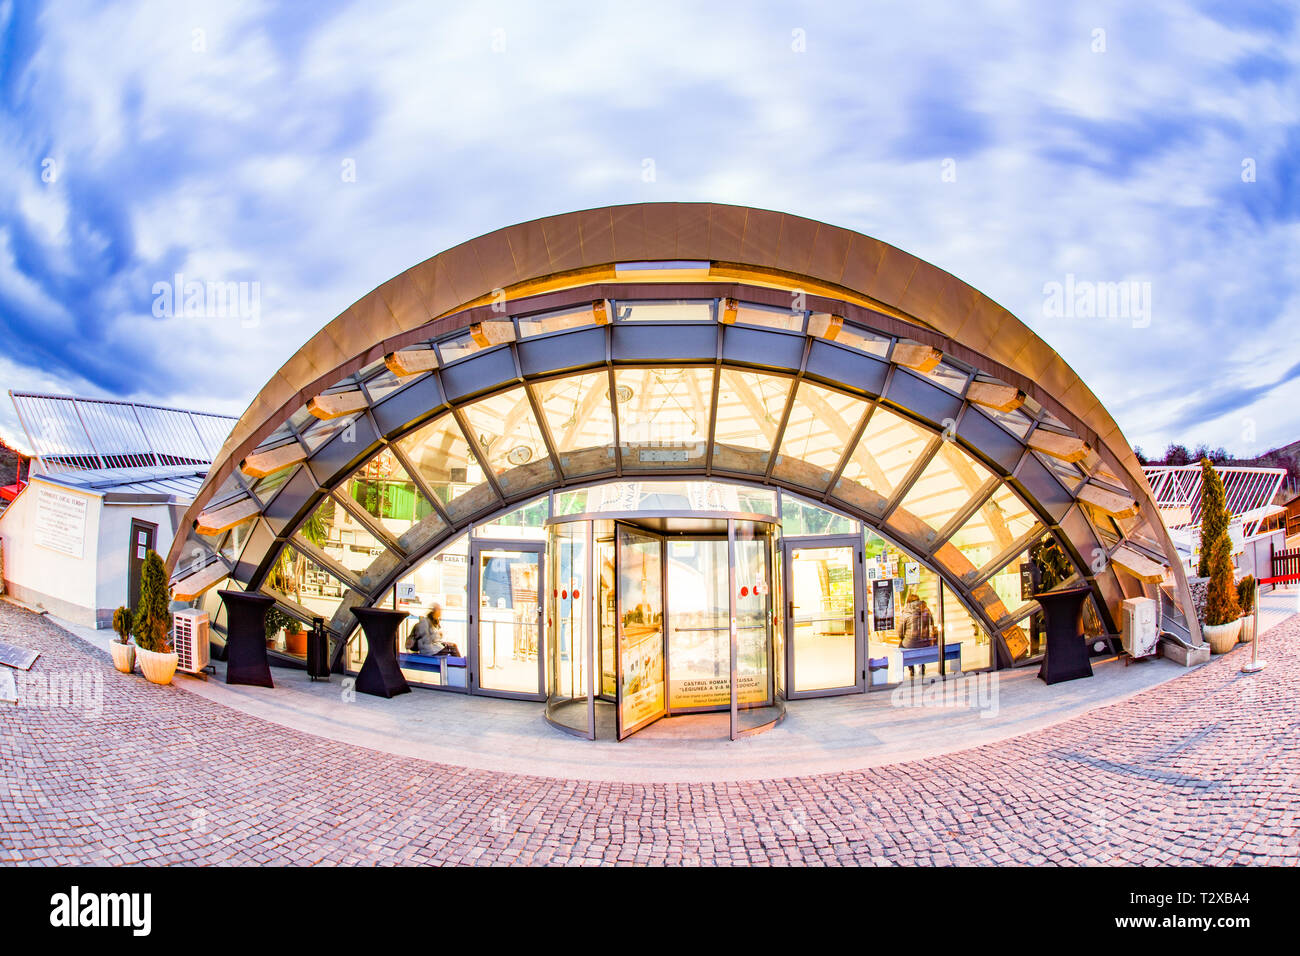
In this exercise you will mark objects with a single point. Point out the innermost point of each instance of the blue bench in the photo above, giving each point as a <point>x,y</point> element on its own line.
<point>451,669</point>
<point>920,656</point>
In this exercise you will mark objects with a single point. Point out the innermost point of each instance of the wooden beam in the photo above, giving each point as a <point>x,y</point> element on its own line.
<point>824,325</point>
<point>1004,398</point>
<point>730,310</point>
<point>1138,565</point>
<point>190,587</point>
<point>337,404</point>
<point>263,463</point>
<point>914,355</point>
<point>237,512</point>
<point>411,361</point>
<point>487,334</point>
<point>1112,503</point>
<point>599,313</point>
<point>1064,447</point>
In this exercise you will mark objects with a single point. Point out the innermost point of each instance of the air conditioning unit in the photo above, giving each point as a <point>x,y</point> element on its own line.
<point>1140,634</point>
<point>190,640</point>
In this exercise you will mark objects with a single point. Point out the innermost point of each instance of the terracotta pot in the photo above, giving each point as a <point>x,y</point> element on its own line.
<point>1222,637</point>
<point>295,643</point>
<point>123,656</point>
<point>1247,629</point>
<point>157,668</point>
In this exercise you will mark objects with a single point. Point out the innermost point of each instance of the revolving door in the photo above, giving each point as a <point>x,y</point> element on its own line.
<point>658,615</point>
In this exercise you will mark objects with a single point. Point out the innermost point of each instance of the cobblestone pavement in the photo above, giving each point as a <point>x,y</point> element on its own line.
<point>1202,769</point>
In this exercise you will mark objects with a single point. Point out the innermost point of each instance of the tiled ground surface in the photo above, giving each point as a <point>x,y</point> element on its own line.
<point>1204,768</point>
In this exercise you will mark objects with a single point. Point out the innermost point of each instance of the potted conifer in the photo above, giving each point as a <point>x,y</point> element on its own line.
<point>122,649</point>
<point>152,624</point>
<point>1222,613</point>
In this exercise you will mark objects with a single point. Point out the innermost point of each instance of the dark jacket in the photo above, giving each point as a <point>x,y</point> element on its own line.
<point>917,628</point>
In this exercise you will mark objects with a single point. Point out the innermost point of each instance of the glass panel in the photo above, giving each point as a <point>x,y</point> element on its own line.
<point>544,322</point>
<point>823,633</point>
<point>889,447</point>
<point>386,492</point>
<point>567,639</point>
<point>663,416</point>
<point>385,383</point>
<point>526,523</point>
<point>904,597</point>
<point>441,455</point>
<point>265,488</point>
<point>579,416</point>
<point>1010,591</point>
<point>820,427</point>
<point>296,579</point>
<point>769,317</point>
<point>947,485</point>
<point>801,518</point>
<point>679,310</point>
<point>749,412</point>
<point>509,638</point>
<point>321,431</point>
<point>1068,473</point>
<point>960,628</point>
<point>998,523</point>
<point>607,609</point>
<point>347,541</point>
<point>1016,421</point>
<point>459,346</point>
<point>947,376</point>
<point>754,693</point>
<point>440,584</point>
<point>508,433</point>
<point>699,642</point>
<point>856,337</point>
<point>642,696</point>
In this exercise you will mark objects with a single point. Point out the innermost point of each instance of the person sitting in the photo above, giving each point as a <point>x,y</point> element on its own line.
<point>426,637</point>
<point>916,629</point>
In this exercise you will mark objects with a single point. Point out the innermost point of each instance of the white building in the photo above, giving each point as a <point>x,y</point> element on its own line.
<point>109,480</point>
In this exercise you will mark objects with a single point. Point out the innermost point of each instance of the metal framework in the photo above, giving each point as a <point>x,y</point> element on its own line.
<point>1248,492</point>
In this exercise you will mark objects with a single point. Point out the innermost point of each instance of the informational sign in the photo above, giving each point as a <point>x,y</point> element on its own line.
<point>912,572</point>
<point>1026,582</point>
<point>60,521</point>
<point>882,604</point>
<point>406,592</point>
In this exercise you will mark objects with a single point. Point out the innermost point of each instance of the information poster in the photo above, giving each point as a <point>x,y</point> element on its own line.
<point>643,690</point>
<point>60,523</point>
<point>882,604</point>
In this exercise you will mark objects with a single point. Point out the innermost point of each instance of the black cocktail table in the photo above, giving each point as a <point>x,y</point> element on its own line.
<point>246,638</point>
<point>1067,652</point>
<point>380,674</point>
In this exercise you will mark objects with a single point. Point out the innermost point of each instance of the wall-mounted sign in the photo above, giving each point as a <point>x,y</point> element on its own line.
<point>406,591</point>
<point>1026,582</point>
<point>60,521</point>
<point>912,572</point>
<point>882,604</point>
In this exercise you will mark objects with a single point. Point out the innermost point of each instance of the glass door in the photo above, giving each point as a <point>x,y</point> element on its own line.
<point>505,622</point>
<point>824,615</point>
<point>642,689</point>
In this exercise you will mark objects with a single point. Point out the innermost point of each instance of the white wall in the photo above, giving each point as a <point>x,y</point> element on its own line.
<point>115,551</point>
<point>36,575</point>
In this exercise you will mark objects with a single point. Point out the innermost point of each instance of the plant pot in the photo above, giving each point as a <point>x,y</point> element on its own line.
<point>1247,629</point>
<point>1222,637</point>
<point>123,656</point>
<point>295,643</point>
<point>157,668</point>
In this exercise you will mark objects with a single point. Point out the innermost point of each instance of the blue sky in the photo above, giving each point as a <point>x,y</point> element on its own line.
<point>1091,142</point>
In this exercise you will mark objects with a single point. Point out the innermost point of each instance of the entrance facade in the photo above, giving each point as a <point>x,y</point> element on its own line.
<point>682,620</point>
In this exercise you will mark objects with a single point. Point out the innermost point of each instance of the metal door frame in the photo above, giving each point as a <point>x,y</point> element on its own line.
<point>477,546</point>
<point>860,626</point>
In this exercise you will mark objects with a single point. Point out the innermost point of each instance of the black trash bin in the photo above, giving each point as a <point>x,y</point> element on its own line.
<point>318,663</point>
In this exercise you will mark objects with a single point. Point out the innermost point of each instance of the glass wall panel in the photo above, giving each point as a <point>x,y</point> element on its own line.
<point>959,627</point>
<point>769,317</point>
<point>666,310</point>
<point>892,579</point>
<point>856,337</point>
<point>334,530</point>
<point>508,433</point>
<point>819,429</point>
<point>994,527</point>
<point>606,630</point>
<point>459,346</point>
<point>750,405</point>
<point>580,417</point>
<point>442,580</point>
<point>948,484</point>
<point>889,447</point>
<point>297,580</point>
<point>642,691</point>
<point>525,523</point>
<point>509,631</point>
<point>558,321</point>
<point>442,456</point>
<point>663,416</point>
<point>383,489</point>
<point>801,518</point>
<point>753,620</point>
<point>567,674</point>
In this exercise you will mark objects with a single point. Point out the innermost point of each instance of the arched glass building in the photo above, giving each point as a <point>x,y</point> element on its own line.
<point>664,458</point>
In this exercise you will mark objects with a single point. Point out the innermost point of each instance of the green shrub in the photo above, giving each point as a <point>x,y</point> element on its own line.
<point>1221,596</point>
<point>277,620</point>
<point>1214,515</point>
<point>1246,594</point>
<point>152,624</point>
<point>122,624</point>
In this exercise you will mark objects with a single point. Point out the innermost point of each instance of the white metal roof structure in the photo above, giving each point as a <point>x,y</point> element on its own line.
<point>120,448</point>
<point>1249,493</point>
